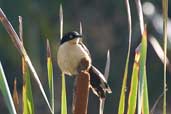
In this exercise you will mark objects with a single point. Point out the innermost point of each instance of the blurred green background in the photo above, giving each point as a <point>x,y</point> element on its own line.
<point>104,27</point>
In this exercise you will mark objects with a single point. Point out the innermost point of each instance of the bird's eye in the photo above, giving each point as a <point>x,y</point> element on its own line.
<point>70,36</point>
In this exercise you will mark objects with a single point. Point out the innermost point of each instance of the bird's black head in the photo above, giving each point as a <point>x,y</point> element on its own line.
<point>70,36</point>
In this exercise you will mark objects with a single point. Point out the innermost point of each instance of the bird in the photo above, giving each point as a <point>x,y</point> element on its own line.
<point>74,57</point>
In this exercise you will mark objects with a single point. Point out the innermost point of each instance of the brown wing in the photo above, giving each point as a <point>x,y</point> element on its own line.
<point>98,83</point>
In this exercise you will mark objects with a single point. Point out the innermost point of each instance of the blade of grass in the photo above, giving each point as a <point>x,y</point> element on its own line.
<point>107,67</point>
<point>20,28</point>
<point>28,105</point>
<point>61,21</point>
<point>143,53</point>
<point>63,95</point>
<point>106,75</point>
<point>159,51</point>
<point>15,96</point>
<point>165,18</point>
<point>50,76</point>
<point>6,92</point>
<point>101,106</point>
<point>123,90</point>
<point>156,103</point>
<point>81,29</point>
<point>140,15</point>
<point>17,42</point>
<point>145,107</point>
<point>132,100</point>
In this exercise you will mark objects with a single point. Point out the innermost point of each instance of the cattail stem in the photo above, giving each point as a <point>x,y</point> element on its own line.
<point>81,93</point>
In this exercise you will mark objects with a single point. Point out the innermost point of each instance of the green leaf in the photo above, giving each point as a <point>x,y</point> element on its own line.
<point>19,45</point>
<point>50,76</point>
<point>122,96</point>
<point>28,105</point>
<point>81,29</point>
<point>106,75</point>
<point>6,92</point>
<point>61,21</point>
<point>123,91</point>
<point>63,96</point>
<point>165,19</point>
<point>145,107</point>
<point>134,86</point>
<point>143,54</point>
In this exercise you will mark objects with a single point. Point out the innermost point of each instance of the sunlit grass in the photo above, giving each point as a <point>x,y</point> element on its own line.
<point>132,101</point>
<point>6,92</point>
<point>63,95</point>
<point>138,86</point>
<point>50,76</point>
<point>123,90</point>
<point>165,19</point>
<point>28,105</point>
<point>21,49</point>
<point>145,106</point>
<point>27,97</point>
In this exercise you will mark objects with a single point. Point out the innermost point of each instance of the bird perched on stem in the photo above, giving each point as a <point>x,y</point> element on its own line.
<point>73,57</point>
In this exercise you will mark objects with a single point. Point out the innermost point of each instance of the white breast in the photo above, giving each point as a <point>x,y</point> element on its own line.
<point>69,56</point>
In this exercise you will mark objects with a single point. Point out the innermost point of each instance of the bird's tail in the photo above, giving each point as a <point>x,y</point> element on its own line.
<point>98,83</point>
